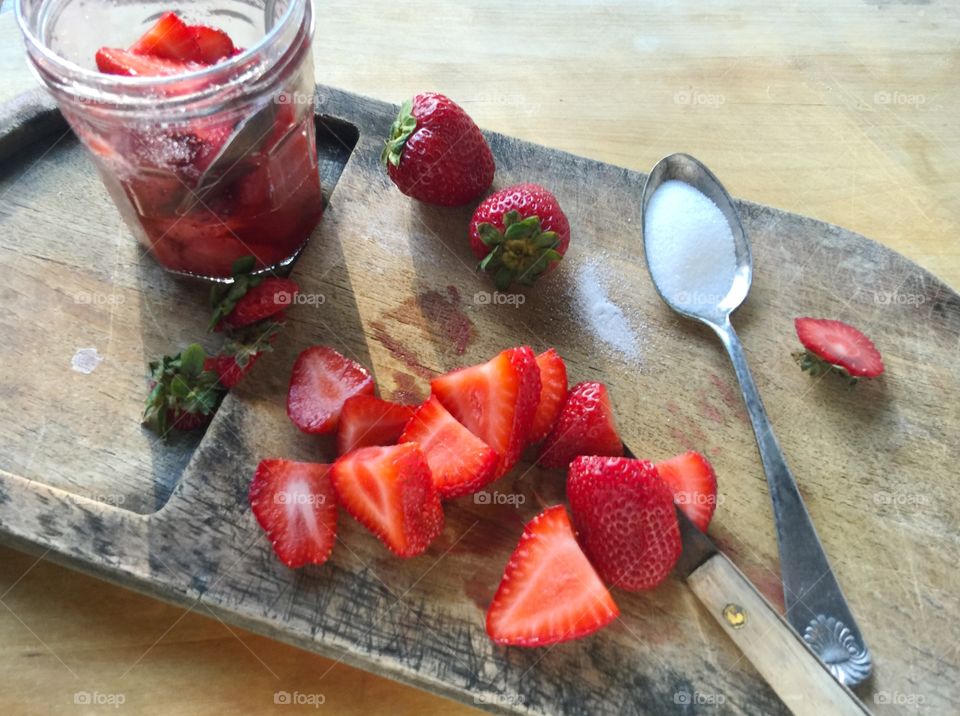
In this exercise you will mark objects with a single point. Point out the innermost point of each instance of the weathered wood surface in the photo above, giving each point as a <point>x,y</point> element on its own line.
<point>400,295</point>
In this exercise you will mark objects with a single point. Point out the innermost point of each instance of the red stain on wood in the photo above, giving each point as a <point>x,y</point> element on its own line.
<point>399,351</point>
<point>408,390</point>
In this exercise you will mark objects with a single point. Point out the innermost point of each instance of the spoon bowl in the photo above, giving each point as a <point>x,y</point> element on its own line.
<point>687,169</point>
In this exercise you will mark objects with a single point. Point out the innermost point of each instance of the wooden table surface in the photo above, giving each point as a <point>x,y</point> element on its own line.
<point>840,110</point>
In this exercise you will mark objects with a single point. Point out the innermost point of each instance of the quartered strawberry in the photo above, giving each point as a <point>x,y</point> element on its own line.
<point>113,61</point>
<point>496,401</point>
<point>389,490</point>
<point>835,345</point>
<point>169,39</point>
<point>626,520</point>
<point>213,45</point>
<point>460,462</point>
<point>366,420</point>
<point>321,382</point>
<point>549,592</point>
<point>585,426</point>
<point>295,504</point>
<point>553,393</point>
<point>694,485</point>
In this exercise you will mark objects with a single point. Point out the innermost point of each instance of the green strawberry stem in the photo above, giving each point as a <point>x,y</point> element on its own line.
<point>403,126</point>
<point>520,253</point>
<point>817,366</point>
<point>181,385</point>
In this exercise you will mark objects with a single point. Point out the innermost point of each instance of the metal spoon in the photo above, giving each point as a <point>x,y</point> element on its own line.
<point>815,605</point>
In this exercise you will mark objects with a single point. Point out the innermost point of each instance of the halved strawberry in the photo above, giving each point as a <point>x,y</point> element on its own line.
<point>366,420</point>
<point>295,504</point>
<point>495,400</point>
<point>321,382</point>
<point>694,485</point>
<point>114,61</point>
<point>169,39</point>
<point>585,426</point>
<point>389,490</point>
<point>553,393</point>
<point>460,462</point>
<point>837,345</point>
<point>213,45</point>
<point>626,520</point>
<point>549,592</point>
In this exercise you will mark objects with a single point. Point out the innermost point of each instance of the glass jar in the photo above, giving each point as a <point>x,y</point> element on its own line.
<point>205,166</point>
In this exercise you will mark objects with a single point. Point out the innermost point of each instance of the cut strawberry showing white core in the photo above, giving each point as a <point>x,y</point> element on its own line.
<point>496,401</point>
<point>295,504</point>
<point>321,382</point>
<point>460,462</point>
<point>390,491</point>
<point>694,485</point>
<point>550,592</point>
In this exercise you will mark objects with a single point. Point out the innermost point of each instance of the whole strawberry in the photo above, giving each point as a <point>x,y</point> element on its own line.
<point>436,153</point>
<point>519,234</point>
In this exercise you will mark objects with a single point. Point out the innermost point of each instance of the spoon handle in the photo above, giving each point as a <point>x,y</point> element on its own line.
<point>815,604</point>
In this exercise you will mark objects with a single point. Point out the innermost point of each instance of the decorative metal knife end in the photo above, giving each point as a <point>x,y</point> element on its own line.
<point>847,658</point>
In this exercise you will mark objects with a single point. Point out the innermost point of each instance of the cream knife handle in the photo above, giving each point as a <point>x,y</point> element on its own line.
<point>775,650</point>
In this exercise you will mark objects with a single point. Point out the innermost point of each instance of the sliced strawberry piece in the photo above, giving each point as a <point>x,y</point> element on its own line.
<point>496,401</point>
<point>295,504</point>
<point>460,462</point>
<point>553,393</point>
<point>585,426</point>
<point>626,520</point>
<point>264,300</point>
<point>212,44</point>
<point>168,39</point>
<point>549,592</point>
<point>113,61</point>
<point>321,382</point>
<point>694,485</point>
<point>389,490</point>
<point>835,344</point>
<point>366,420</point>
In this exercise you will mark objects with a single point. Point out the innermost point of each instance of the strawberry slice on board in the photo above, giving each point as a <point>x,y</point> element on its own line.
<point>296,505</point>
<point>835,345</point>
<point>626,520</point>
<point>389,490</point>
<point>694,485</point>
<point>212,44</point>
<point>585,426</point>
<point>550,592</point>
<point>496,401</point>
<point>321,382</point>
<point>366,420</point>
<point>553,393</point>
<point>460,462</point>
<point>169,39</point>
<point>114,61</point>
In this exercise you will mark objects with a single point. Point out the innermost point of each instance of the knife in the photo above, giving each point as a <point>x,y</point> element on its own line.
<point>783,658</point>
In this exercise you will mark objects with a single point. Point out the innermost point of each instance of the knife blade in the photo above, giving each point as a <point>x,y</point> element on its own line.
<point>787,663</point>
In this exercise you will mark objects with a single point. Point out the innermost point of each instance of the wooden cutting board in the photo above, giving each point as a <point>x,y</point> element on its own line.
<point>392,285</point>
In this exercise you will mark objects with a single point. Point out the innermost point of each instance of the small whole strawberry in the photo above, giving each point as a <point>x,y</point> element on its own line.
<point>836,346</point>
<point>519,234</point>
<point>250,298</point>
<point>436,153</point>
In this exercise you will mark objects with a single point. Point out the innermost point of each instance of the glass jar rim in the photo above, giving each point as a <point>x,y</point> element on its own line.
<point>87,83</point>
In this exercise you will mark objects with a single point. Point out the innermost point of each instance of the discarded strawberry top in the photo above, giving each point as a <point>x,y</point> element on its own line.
<point>208,149</point>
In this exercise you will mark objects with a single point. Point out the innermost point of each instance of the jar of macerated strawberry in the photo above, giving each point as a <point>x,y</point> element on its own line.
<point>199,117</point>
